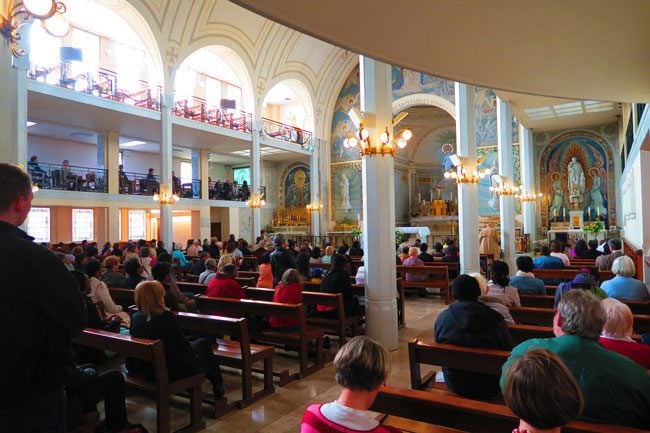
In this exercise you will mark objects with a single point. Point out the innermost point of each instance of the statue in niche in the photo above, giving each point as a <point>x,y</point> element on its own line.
<point>344,184</point>
<point>595,194</point>
<point>576,182</point>
<point>557,200</point>
<point>494,197</point>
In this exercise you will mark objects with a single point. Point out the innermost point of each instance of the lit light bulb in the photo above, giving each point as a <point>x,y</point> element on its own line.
<point>57,25</point>
<point>447,175</point>
<point>352,142</point>
<point>363,134</point>
<point>156,197</point>
<point>384,137</point>
<point>401,143</point>
<point>175,197</point>
<point>407,134</point>
<point>40,8</point>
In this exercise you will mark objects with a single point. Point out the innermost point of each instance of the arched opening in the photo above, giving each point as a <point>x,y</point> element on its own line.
<point>109,52</point>
<point>213,86</point>
<point>287,112</point>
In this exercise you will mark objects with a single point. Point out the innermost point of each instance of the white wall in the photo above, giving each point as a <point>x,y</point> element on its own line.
<point>54,151</point>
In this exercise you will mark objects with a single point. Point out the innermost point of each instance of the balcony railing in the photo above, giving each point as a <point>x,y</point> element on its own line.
<point>188,189</point>
<point>230,191</point>
<point>69,178</point>
<point>284,132</point>
<point>138,183</point>
<point>198,109</point>
<point>103,83</point>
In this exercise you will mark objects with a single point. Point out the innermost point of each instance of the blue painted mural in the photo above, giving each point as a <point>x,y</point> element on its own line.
<point>341,123</point>
<point>406,82</point>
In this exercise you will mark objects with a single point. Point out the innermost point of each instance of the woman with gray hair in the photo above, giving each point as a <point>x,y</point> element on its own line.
<point>617,333</point>
<point>624,285</point>
<point>210,271</point>
<point>362,367</point>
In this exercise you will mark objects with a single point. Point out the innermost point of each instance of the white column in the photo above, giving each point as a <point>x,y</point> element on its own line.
<point>314,187</point>
<point>507,202</point>
<point>378,208</point>
<point>13,113</point>
<point>256,169</point>
<point>527,164</point>
<point>108,151</point>
<point>166,223</point>
<point>467,192</point>
<point>204,166</point>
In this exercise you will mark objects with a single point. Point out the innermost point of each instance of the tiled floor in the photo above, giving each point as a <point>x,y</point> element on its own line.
<point>281,412</point>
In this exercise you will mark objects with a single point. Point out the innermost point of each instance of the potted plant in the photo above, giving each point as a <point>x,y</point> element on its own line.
<point>269,229</point>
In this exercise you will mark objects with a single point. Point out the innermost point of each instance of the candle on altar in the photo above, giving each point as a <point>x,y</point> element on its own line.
<point>563,213</point>
<point>597,211</point>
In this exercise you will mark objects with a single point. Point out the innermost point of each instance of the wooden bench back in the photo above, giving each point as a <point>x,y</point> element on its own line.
<point>439,271</point>
<point>217,325</point>
<point>539,301</point>
<point>486,361</point>
<point>141,348</point>
<point>465,414</point>
<point>567,274</point>
<point>521,333</point>
<point>244,307</point>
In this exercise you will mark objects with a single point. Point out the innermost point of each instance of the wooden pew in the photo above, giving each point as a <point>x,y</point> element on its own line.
<point>486,361</point>
<point>539,301</point>
<point>544,317</point>
<point>239,353</point>
<point>521,333</point>
<point>567,274</point>
<point>255,275</point>
<point>436,277</point>
<point>153,352</point>
<point>336,326</point>
<point>463,414</point>
<point>298,340</point>
<point>199,288</point>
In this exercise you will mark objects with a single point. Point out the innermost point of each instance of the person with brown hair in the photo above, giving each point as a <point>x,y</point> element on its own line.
<point>183,358</point>
<point>289,291</point>
<point>557,251</point>
<point>542,392</point>
<point>362,367</point>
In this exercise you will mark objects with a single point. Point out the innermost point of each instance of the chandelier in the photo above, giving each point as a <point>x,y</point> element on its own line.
<point>504,188</point>
<point>255,201</point>
<point>465,174</point>
<point>165,198</point>
<point>50,12</point>
<point>385,145</point>
<point>314,207</point>
<point>527,196</point>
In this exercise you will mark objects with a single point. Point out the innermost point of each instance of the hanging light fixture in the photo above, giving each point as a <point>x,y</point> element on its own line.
<point>504,188</point>
<point>464,173</point>
<point>256,200</point>
<point>164,197</point>
<point>314,207</point>
<point>50,12</point>
<point>528,196</point>
<point>385,145</point>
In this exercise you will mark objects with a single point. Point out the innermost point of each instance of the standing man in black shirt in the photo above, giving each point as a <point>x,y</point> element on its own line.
<point>281,259</point>
<point>41,307</point>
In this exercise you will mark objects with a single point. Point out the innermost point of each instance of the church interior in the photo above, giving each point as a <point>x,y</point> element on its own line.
<point>176,120</point>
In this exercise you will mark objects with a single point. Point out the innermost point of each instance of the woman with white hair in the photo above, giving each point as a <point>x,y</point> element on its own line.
<point>624,285</point>
<point>617,333</point>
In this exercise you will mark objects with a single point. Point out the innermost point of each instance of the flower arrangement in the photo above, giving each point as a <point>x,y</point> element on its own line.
<point>355,231</point>
<point>593,227</point>
<point>346,221</point>
<point>399,238</point>
<point>414,213</point>
<point>269,229</point>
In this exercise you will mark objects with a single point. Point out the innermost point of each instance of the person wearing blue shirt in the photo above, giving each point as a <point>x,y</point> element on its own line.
<point>178,254</point>
<point>546,261</point>
<point>624,286</point>
<point>524,281</point>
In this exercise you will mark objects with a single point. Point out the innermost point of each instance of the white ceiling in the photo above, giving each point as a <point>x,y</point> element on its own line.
<point>582,49</point>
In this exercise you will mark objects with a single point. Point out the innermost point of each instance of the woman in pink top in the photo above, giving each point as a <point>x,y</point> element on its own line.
<point>556,251</point>
<point>617,333</point>
<point>289,291</point>
<point>265,280</point>
<point>362,367</point>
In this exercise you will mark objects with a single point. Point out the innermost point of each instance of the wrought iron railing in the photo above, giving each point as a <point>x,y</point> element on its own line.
<point>231,191</point>
<point>138,183</point>
<point>198,109</point>
<point>103,83</point>
<point>289,133</point>
<point>68,177</point>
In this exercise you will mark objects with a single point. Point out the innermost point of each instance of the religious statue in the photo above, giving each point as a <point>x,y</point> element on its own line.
<point>344,183</point>
<point>494,197</point>
<point>596,195</point>
<point>576,182</point>
<point>557,200</point>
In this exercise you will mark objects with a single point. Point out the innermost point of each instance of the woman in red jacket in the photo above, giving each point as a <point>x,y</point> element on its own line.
<point>289,291</point>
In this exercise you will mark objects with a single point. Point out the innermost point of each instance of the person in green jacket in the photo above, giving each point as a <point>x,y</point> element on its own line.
<point>616,390</point>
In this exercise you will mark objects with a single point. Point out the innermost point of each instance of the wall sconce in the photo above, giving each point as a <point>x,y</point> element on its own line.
<point>50,12</point>
<point>385,145</point>
<point>503,188</point>
<point>165,198</point>
<point>527,196</point>
<point>255,201</point>
<point>314,207</point>
<point>464,174</point>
